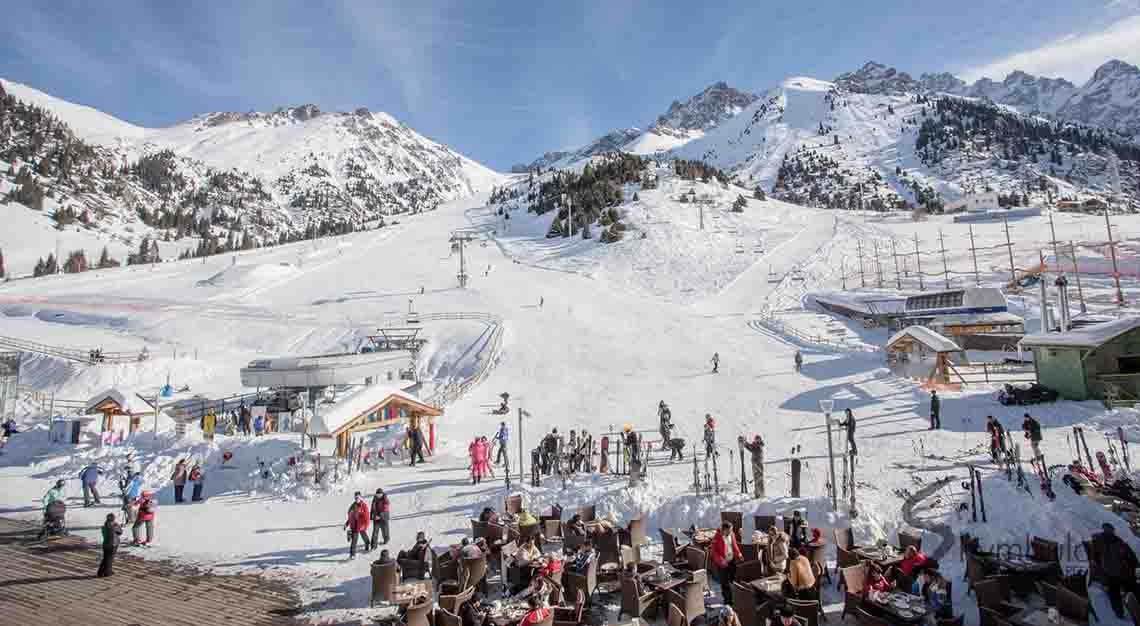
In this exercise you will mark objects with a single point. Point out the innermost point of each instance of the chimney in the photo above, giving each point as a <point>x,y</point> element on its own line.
<point>1062,284</point>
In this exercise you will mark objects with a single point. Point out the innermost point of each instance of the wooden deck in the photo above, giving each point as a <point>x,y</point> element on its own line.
<point>54,583</point>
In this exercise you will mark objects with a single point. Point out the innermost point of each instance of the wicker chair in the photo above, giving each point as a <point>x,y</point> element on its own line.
<point>676,615</point>
<point>975,572</point>
<point>552,531</point>
<point>513,505</point>
<point>807,609</point>
<point>671,552</point>
<point>844,559</point>
<point>635,601</point>
<point>843,538</point>
<point>907,540</point>
<point>414,568</point>
<point>570,616</point>
<point>473,572</point>
<point>444,617</point>
<point>696,558</point>
<point>452,603</point>
<point>1049,592</point>
<point>573,582</point>
<point>751,613</point>
<point>384,579</point>
<point>818,557</point>
<point>854,579</point>
<point>588,512</point>
<point>555,514</point>
<point>750,551</point>
<point>1072,606</point>
<point>571,542</point>
<point>419,614</point>
<point>748,571</point>
<point>691,603</point>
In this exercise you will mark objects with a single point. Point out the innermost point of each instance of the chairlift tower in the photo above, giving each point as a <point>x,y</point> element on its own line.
<point>459,239</point>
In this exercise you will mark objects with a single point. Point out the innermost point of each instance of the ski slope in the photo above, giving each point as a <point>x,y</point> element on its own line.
<point>620,327</point>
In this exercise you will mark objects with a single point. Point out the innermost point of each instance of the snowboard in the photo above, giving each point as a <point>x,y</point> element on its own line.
<point>604,465</point>
<point>1103,462</point>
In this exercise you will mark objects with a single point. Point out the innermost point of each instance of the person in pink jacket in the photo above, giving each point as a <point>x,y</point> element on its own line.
<point>488,467</point>
<point>476,461</point>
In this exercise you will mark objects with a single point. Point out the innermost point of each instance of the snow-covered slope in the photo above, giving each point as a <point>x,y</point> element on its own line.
<point>1110,99</point>
<point>88,124</point>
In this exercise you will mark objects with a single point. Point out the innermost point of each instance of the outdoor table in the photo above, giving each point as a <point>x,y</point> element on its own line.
<point>406,593</point>
<point>505,613</point>
<point>885,556</point>
<point>899,607</point>
<point>1040,617</point>
<point>701,536</point>
<point>772,588</point>
<point>662,582</point>
<point>1021,565</point>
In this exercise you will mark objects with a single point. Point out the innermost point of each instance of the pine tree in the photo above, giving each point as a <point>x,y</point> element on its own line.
<point>759,194</point>
<point>39,269</point>
<point>739,204</point>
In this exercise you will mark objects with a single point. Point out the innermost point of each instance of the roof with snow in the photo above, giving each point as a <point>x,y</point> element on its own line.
<point>1088,337</point>
<point>364,401</point>
<point>959,319</point>
<point>924,336</point>
<point>119,398</point>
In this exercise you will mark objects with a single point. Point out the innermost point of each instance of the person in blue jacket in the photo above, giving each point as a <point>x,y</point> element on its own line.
<point>89,477</point>
<point>502,437</point>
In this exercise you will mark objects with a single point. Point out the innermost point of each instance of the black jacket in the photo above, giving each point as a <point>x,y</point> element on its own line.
<point>1032,428</point>
<point>112,532</point>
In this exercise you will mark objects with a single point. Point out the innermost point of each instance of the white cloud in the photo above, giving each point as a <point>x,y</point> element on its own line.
<point>1074,57</point>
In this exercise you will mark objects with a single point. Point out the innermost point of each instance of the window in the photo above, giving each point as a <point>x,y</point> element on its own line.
<point>1129,364</point>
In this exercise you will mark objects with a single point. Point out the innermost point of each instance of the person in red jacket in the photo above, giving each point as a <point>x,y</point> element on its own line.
<point>146,507</point>
<point>912,561</point>
<point>725,553</point>
<point>357,524</point>
<point>876,581</point>
<point>537,613</point>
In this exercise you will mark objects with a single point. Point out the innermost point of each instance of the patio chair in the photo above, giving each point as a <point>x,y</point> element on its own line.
<point>555,514</point>
<point>676,615</point>
<point>975,572</point>
<point>453,602</point>
<point>1072,606</point>
<point>691,603</point>
<point>863,618</point>
<point>750,551</point>
<point>696,558</point>
<point>385,576</point>
<point>807,609</point>
<point>444,617</point>
<point>419,614</point>
<point>844,538</point>
<point>818,556</point>
<point>513,505</point>
<point>1044,550</point>
<point>751,612</point>
<point>635,601</point>
<point>748,571</point>
<point>671,552</point>
<point>442,570</point>
<point>854,579</point>
<point>552,531</point>
<point>588,512</point>
<point>570,543</point>
<point>473,571</point>
<point>700,578</point>
<point>414,568</point>
<point>1049,592</point>
<point>570,616</point>
<point>910,539</point>
<point>573,582</point>
<point>844,559</point>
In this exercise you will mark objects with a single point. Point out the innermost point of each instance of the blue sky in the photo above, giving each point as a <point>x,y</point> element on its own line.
<point>504,81</point>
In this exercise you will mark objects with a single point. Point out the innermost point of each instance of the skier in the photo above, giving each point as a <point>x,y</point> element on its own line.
<point>131,489</point>
<point>756,447</point>
<point>502,437</point>
<point>416,444</point>
<point>146,507</point>
<point>112,532</point>
<point>799,361</point>
<point>53,494</point>
<point>997,437</point>
<point>710,435</point>
<point>485,457</point>
<point>849,424</point>
<point>633,448</point>
<point>380,513</point>
<point>198,479</point>
<point>716,362</point>
<point>179,479</point>
<point>89,477</point>
<point>935,410</point>
<point>541,301</point>
<point>666,427</point>
<point>357,524</point>
<point>549,451</point>
<point>1032,430</point>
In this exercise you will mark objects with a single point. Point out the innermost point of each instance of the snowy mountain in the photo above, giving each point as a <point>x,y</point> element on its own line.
<point>680,123</point>
<point>819,143</point>
<point>269,176</point>
<point>1110,99</point>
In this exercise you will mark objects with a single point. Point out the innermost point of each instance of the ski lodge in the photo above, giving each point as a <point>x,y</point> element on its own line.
<point>372,407</point>
<point>1099,361</point>
<point>112,404</point>
<point>918,352</point>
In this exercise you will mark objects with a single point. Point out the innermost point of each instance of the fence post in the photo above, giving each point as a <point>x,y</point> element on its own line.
<point>945,269</point>
<point>1009,249</point>
<point>918,263</point>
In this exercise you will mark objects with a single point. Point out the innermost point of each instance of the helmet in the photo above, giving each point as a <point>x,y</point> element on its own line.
<point>59,483</point>
<point>626,428</point>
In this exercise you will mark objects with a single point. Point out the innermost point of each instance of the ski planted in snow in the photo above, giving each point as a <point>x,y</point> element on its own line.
<point>1124,449</point>
<point>981,493</point>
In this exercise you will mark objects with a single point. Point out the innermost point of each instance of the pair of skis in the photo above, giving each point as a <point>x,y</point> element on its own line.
<point>977,497</point>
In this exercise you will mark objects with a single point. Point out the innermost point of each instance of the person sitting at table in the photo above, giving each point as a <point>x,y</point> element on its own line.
<point>932,587</point>
<point>816,538</point>
<point>473,613</point>
<point>489,516</point>
<point>528,553</point>
<point>799,530</point>
<point>583,558</point>
<point>469,550</point>
<point>801,579</point>
<point>417,552</point>
<point>551,566</point>
<point>777,550</point>
<point>576,526</point>
<point>537,613</point>
<point>728,618</point>
<point>385,558</point>
<point>725,554</point>
<point>527,519</point>
<point>538,588</point>
<point>912,561</point>
<point>876,581</point>
<point>630,572</point>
